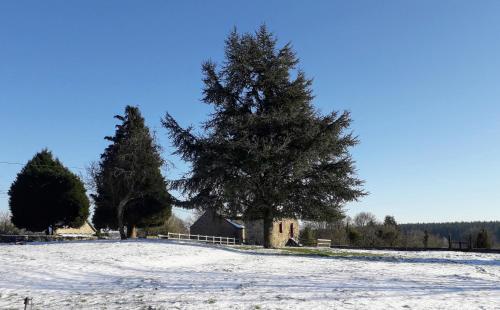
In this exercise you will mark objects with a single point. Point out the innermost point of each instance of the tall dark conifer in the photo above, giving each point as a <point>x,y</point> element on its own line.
<point>130,189</point>
<point>267,152</point>
<point>46,194</point>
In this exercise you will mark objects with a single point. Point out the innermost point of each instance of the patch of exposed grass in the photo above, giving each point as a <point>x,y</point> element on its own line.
<point>248,247</point>
<point>328,253</point>
<point>308,251</point>
<point>211,301</point>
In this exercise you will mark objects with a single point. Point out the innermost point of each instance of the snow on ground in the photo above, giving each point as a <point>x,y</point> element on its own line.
<point>167,275</point>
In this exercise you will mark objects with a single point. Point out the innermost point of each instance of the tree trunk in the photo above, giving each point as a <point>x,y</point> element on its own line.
<point>123,235</point>
<point>268,230</point>
<point>132,231</point>
<point>119,213</point>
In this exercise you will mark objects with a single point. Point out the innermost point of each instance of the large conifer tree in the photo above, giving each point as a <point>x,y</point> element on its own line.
<point>46,194</point>
<point>130,189</point>
<point>267,152</point>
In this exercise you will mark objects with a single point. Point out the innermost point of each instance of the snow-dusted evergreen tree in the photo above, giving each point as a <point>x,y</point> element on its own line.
<point>266,151</point>
<point>46,194</point>
<point>130,189</point>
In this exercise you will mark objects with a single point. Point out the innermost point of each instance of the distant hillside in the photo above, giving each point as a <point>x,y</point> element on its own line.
<point>458,230</point>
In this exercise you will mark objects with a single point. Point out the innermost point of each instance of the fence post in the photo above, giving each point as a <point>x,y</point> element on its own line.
<point>28,302</point>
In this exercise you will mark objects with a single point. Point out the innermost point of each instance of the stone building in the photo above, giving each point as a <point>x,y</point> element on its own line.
<point>86,230</point>
<point>282,231</point>
<point>212,224</point>
<point>248,232</point>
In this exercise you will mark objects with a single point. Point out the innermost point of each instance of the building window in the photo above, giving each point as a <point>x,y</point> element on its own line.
<point>281,228</point>
<point>291,230</point>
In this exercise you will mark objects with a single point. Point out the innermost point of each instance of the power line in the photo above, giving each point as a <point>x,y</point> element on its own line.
<point>37,165</point>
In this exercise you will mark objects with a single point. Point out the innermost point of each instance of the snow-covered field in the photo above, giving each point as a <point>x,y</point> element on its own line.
<point>167,275</point>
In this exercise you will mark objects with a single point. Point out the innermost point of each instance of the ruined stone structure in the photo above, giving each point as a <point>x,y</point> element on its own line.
<point>282,231</point>
<point>249,232</point>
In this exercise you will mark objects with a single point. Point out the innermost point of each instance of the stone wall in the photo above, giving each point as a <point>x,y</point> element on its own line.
<point>85,229</point>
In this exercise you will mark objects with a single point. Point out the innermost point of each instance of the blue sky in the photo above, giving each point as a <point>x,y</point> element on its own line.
<point>421,79</point>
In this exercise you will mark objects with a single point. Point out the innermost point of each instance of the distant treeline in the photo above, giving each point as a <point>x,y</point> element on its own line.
<point>457,230</point>
<point>365,230</point>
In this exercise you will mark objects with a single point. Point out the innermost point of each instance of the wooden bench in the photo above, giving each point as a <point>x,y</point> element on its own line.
<point>324,243</point>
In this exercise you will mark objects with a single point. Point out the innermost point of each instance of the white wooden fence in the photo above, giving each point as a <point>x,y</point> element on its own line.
<point>199,238</point>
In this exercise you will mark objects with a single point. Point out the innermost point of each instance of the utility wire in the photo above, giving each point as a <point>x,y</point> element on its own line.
<point>38,165</point>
